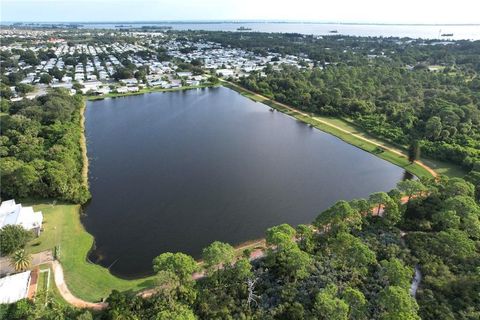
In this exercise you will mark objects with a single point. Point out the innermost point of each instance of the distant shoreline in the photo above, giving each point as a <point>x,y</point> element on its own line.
<point>148,90</point>
<point>242,21</point>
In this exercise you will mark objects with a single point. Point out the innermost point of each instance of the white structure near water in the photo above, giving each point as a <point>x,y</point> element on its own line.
<point>12,213</point>
<point>14,288</point>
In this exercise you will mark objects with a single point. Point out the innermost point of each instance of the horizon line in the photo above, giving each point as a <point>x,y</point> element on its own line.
<point>219,21</point>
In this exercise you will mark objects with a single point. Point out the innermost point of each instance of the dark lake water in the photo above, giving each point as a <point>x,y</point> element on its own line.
<point>176,171</point>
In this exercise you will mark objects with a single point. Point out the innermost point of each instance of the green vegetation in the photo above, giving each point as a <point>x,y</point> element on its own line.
<point>383,85</point>
<point>49,294</point>
<point>13,238</point>
<point>20,260</point>
<point>217,255</point>
<point>47,305</point>
<point>39,145</point>
<point>356,260</point>
<point>445,124</point>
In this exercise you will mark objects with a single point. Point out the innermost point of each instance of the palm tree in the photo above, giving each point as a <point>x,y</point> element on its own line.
<point>21,260</point>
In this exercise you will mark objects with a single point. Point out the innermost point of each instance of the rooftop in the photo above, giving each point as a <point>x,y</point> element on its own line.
<point>12,213</point>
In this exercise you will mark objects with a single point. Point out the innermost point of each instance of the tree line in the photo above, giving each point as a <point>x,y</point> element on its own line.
<point>39,148</point>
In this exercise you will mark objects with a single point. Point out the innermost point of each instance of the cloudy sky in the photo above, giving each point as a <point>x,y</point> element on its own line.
<point>376,11</point>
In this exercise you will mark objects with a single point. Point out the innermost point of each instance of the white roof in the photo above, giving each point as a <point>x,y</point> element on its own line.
<point>12,213</point>
<point>14,288</point>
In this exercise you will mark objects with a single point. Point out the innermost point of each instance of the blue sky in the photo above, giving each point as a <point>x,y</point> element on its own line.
<point>381,11</point>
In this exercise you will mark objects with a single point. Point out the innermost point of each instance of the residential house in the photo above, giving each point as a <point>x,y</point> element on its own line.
<point>12,213</point>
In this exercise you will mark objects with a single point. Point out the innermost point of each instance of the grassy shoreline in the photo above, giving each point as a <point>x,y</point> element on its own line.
<point>63,228</point>
<point>86,280</point>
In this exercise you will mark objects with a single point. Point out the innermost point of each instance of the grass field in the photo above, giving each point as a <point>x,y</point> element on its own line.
<point>85,280</point>
<point>51,290</point>
<point>439,166</point>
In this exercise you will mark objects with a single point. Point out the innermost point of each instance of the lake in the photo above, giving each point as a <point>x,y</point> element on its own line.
<point>176,171</point>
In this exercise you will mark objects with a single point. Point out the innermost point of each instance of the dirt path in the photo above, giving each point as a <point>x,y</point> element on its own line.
<point>67,295</point>
<point>394,150</point>
<point>83,147</point>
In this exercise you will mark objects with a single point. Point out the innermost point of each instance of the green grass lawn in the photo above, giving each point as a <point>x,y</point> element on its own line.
<point>88,281</point>
<point>448,169</point>
<point>85,280</point>
<point>42,281</point>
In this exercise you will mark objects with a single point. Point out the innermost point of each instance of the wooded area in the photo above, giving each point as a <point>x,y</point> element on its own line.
<point>39,148</point>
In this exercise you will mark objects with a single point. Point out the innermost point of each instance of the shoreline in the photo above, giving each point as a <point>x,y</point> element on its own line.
<point>149,90</point>
<point>83,146</point>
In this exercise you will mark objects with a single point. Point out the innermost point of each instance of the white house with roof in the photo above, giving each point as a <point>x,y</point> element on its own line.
<point>14,288</point>
<point>129,82</point>
<point>12,213</point>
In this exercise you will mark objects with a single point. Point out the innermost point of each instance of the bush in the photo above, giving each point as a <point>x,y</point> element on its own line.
<point>13,238</point>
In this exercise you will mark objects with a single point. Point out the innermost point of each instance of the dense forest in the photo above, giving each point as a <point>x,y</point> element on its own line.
<point>40,150</point>
<point>351,263</point>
